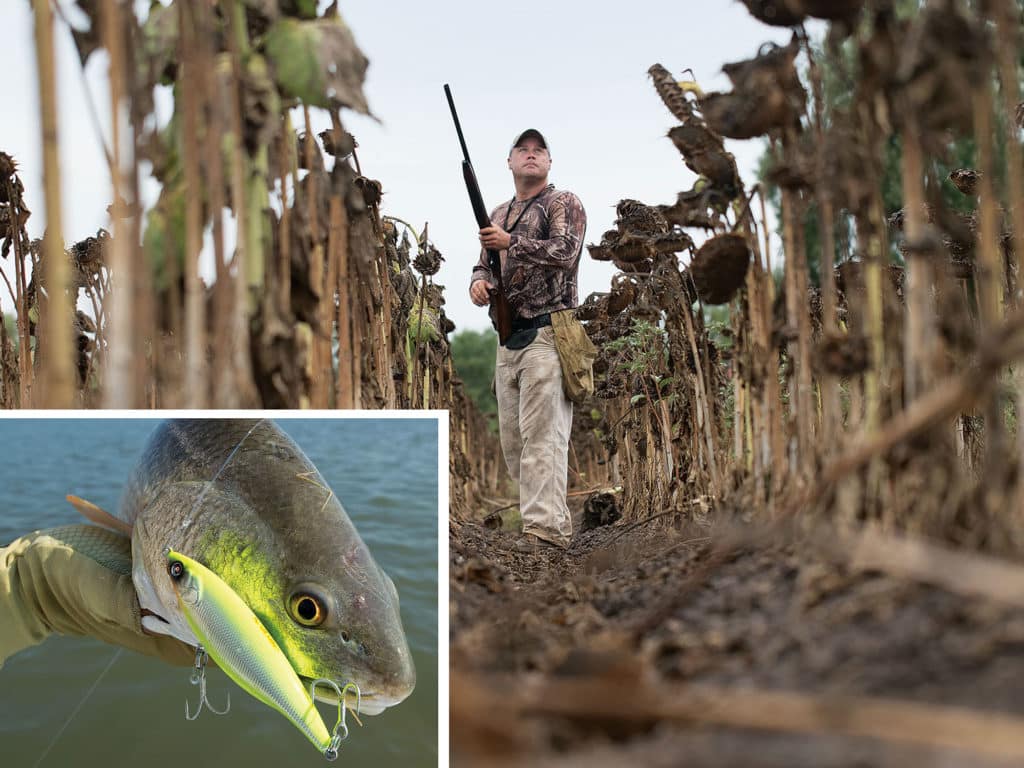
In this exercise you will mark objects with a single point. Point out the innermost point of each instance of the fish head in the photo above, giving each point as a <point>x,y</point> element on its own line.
<point>270,527</point>
<point>339,619</point>
<point>330,607</point>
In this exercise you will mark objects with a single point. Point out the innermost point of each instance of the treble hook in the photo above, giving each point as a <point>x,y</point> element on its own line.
<point>198,677</point>
<point>340,731</point>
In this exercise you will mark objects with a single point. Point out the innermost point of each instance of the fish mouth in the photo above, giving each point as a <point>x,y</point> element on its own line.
<point>370,702</point>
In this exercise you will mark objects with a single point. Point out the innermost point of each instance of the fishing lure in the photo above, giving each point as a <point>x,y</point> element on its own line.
<point>236,639</point>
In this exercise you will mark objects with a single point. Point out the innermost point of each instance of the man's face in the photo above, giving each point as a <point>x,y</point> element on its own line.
<point>529,160</point>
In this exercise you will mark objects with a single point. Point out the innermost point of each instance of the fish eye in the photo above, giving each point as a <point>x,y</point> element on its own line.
<point>176,569</point>
<point>307,609</point>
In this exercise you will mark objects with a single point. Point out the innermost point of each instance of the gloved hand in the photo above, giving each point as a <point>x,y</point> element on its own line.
<point>75,580</point>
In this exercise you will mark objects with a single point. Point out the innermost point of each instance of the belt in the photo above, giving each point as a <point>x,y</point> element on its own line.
<point>525,323</point>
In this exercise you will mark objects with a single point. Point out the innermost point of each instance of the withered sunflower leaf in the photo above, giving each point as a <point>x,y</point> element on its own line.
<point>318,62</point>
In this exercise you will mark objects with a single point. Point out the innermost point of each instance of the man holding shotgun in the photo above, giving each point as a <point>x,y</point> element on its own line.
<point>538,236</point>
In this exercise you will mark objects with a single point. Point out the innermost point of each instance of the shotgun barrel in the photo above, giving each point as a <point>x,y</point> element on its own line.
<point>502,309</point>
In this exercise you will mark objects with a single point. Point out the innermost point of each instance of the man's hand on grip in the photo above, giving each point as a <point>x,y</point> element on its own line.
<point>479,292</point>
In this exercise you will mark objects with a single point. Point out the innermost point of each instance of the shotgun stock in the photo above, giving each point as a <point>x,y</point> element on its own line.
<point>502,309</point>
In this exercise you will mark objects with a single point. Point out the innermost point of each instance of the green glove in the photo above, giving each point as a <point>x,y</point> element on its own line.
<point>75,580</point>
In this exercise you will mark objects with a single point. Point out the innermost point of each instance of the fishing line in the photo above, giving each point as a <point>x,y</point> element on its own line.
<point>223,466</point>
<point>79,706</point>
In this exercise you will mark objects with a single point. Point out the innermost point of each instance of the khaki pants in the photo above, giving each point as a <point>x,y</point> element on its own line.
<point>535,419</point>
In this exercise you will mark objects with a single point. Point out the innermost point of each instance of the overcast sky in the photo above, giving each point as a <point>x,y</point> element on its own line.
<point>576,71</point>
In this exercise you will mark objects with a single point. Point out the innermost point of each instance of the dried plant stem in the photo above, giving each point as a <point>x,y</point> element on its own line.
<point>426,387</point>
<point>798,415</point>
<point>917,335</point>
<point>326,307</point>
<point>20,297</point>
<point>831,417</point>
<point>238,325</point>
<point>877,372</point>
<point>705,423</point>
<point>338,242</point>
<point>195,326</point>
<point>360,310</point>
<point>831,413</point>
<point>25,340</point>
<point>56,313</point>
<point>95,359</point>
<point>320,362</point>
<point>284,256</point>
<point>990,283</point>
<point>806,402</point>
<point>771,392</point>
<point>666,441</point>
<point>753,349</point>
<point>382,352</point>
<point>120,389</point>
<point>144,303</point>
<point>970,574</point>
<point>748,429</point>
<point>1007,51</point>
<point>8,367</point>
<point>410,369</point>
<point>599,698</point>
<point>221,342</point>
<point>243,393</point>
<point>216,343</point>
<point>420,355</point>
<point>738,408</point>
<point>989,262</point>
<point>874,326</point>
<point>387,349</point>
<point>1007,55</point>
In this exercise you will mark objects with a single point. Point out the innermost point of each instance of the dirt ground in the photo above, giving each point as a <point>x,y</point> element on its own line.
<point>595,656</point>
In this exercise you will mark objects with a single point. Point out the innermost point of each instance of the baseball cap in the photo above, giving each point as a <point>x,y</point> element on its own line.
<point>527,134</point>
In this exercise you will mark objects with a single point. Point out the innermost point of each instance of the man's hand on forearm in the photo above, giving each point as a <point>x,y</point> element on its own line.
<point>495,238</point>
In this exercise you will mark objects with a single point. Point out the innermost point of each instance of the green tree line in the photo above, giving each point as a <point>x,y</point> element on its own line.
<point>473,353</point>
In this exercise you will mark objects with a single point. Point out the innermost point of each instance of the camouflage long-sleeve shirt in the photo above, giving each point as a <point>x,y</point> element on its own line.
<point>539,269</point>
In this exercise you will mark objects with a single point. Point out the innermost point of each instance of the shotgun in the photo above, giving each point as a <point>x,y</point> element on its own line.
<point>502,309</point>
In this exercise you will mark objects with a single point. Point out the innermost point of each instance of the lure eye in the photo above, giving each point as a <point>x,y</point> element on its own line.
<point>176,569</point>
<point>307,610</point>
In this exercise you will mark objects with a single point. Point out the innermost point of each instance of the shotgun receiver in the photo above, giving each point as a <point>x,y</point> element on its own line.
<point>502,309</point>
